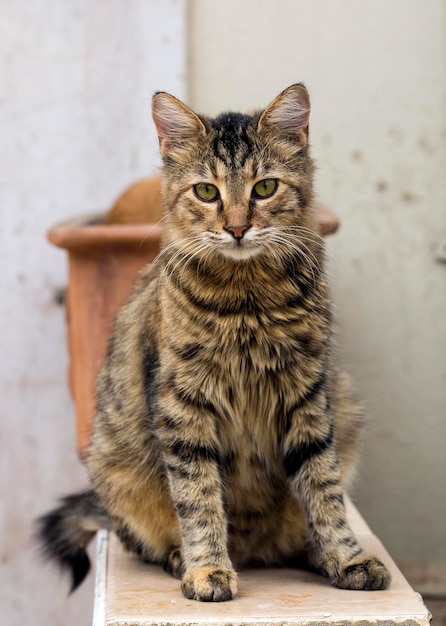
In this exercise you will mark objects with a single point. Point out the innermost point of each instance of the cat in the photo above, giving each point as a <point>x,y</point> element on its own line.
<point>225,435</point>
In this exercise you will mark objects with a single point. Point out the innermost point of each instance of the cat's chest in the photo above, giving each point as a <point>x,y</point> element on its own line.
<point>249,362</point>
<point>249,405</point>
<point>246,365</point>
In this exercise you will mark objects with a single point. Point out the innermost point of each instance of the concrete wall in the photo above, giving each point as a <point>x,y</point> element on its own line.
<point>76,80</point>
<point>377,74</point>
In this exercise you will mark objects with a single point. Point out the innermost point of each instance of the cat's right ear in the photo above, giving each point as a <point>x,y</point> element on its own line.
<point>175,123</point>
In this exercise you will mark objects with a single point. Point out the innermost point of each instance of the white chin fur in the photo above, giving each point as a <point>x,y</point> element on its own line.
<point>239,253</point>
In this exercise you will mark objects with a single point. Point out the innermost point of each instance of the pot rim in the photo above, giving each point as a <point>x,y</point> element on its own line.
<point>88,231</point>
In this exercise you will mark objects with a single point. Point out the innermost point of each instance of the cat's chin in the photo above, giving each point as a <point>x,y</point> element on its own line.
<point>239,252</point>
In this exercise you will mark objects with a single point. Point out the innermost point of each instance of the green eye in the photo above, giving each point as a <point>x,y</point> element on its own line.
<point>206,192</point>
<point>265,188</point>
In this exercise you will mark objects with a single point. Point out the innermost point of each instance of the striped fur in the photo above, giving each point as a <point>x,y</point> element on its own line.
<point>225,435</point>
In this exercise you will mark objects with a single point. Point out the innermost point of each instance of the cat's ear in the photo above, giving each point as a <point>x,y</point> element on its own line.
<point>175,123</point>
<point>288,115</point>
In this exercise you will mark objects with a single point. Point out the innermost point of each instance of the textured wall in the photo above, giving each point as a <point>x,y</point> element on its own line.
<point>377,74</point>
<point>76,80</point>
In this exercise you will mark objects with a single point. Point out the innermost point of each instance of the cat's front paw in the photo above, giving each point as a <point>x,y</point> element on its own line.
<point>210,584</point>
<point>366,573</point>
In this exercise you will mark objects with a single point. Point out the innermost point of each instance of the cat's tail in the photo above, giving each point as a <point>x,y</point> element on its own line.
<point>64,533</point>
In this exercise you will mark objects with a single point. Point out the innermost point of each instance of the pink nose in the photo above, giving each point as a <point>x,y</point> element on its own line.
<point>237,231</point>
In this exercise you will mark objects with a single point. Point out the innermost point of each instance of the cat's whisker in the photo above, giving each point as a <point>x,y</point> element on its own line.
<point>293,242</point>
<point>174,261</point>
<point>148,233</point>
<point>183,243</point>
<point>310,265</point>
<point>293,247</point>
<point>198,251</point>
<point>188,257</point>
<point>310,254</point>
<point>151,227</point>
<point>329,253</point>
<point>316,237</point>
<point>300,239</point>
<point>166,249</point>
<point>179,243</point>
<point>208,252</point>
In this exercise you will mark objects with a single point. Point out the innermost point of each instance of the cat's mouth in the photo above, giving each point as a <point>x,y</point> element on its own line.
<point>239,249</point>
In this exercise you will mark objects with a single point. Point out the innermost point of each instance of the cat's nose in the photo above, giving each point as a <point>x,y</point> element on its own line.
<point>237,231</point>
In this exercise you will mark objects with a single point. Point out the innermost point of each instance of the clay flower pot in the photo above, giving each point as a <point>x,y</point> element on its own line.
<point>104,261</point>
<point>103,264</point>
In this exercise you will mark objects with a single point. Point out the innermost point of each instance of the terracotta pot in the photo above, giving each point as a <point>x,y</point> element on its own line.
<point>103,263</point>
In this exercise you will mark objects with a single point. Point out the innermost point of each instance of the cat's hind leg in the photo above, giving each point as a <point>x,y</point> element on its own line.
<point>174,564</point>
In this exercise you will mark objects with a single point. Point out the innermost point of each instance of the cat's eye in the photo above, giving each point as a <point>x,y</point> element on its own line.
<point>206,192</point>
<point>265,188</point>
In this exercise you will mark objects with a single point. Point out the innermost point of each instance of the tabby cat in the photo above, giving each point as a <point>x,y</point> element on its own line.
<point>224,433</point>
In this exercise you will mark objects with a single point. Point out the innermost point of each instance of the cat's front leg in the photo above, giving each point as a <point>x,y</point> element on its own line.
<point>312,467</point>
<point>191,457</point>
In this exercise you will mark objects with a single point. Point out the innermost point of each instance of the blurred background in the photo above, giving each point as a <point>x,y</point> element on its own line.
<point>76,79</point>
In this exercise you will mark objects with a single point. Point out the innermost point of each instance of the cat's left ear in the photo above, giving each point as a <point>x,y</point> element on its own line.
<point>288,115</point>
<point>175,123</point>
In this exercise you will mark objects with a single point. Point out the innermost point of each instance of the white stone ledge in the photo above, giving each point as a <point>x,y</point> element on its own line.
<point>130,593</point>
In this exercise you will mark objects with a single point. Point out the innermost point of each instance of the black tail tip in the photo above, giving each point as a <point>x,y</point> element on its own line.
<point>57,544</point>
<point>79,566</point>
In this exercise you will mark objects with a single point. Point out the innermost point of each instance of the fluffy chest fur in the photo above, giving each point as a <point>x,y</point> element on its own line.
<point>246,344</point>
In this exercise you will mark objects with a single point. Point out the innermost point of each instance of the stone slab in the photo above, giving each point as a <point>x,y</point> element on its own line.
<point>135,594</point>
